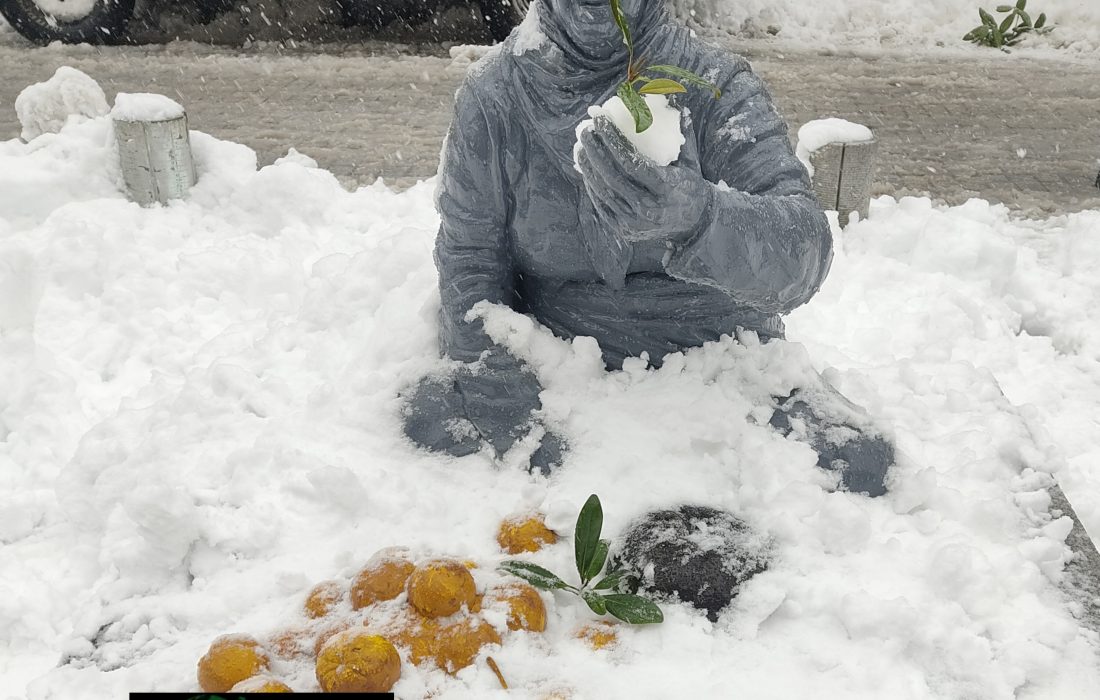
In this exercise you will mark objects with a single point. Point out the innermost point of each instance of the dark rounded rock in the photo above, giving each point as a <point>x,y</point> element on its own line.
<point>698,554</point>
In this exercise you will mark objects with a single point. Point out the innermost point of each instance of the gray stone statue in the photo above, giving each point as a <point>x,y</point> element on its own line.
<point>644,258</point>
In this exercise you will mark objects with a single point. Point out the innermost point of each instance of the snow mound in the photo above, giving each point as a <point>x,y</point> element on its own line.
<point>43,108</point>
<point>204,422</point>
<point>145,107</point>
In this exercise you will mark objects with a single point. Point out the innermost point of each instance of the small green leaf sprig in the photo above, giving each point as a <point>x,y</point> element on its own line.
<point>591,555</point>
<point>1009,31</point>
<point>630,92</point>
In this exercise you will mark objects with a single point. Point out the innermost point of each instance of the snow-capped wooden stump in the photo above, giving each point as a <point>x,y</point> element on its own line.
<point>840,157</point>
<point>153,146</point>
<point>1083,571</point>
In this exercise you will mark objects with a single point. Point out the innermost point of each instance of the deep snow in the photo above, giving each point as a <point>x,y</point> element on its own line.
<point>198,421</point>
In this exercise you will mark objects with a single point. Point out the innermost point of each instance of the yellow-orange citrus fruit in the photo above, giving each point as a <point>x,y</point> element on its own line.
<point>323,598</point>
<point>230,659</point>
<point>598,635</point>
<point>291,643</point>
<point>328,632</point>
<point>526,611</point>
<point>525,533</point>
<point>261,684</point>
<point>356,661</point>
<point>459,643</point>
<point>440,588</point>
<point>380,580</point>
<point>418,634</point>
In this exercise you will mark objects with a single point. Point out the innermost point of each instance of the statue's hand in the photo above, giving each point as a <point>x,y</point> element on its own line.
<point>639,199</point>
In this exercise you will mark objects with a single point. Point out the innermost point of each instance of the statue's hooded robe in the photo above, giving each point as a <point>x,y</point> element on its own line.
<point>518,227</point>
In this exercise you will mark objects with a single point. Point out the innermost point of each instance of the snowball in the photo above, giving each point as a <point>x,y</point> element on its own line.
<point>145,107</point>
<point>819,133</point>
<point>43,108</point>
<point>660,142</point>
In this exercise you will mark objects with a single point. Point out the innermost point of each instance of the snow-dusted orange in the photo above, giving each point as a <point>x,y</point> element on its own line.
<point>381,579</point>
<point>525,533</point>
<point>356,661</point>
<point>261,684</point>
<point>526,610</point>
<point>291,642</point>
<point>440,588</point>
<point>328,632</point>
<point>459,643</point>
<point>231,659</point>
<point>323,598</point>
<point>418,634</point>
<point>598,635</point>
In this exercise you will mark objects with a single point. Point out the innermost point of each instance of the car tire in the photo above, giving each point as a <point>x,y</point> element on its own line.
<point>103,23</point>
<point>502,16</point>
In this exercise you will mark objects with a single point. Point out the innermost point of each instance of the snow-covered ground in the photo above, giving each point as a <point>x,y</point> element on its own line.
<point>199,419</point>
<point>874,23</point>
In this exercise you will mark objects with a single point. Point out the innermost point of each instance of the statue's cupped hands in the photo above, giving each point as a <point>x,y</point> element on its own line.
<point>634,197</point>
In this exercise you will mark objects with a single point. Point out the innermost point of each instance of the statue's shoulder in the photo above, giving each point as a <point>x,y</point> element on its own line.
<point>488,72</point>
<point>707,58</point>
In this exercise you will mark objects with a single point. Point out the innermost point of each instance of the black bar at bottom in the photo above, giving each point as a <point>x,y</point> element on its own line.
<point>253,696</point>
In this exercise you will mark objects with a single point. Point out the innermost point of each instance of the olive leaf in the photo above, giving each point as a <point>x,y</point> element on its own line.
<point>633,609</point>
<point>686,76</point>
<point>635,104</point>
<point>535,575</point>
<point>661,86</point>
<point>591,553</point>
<point>611,581</point>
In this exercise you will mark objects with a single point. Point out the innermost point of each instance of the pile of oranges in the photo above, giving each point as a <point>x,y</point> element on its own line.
<point>359,634</point>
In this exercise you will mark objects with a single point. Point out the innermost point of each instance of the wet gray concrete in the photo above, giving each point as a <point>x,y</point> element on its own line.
<point>1021,131</point>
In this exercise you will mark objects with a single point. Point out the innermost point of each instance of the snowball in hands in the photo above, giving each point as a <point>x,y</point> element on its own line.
<point>661,142</point>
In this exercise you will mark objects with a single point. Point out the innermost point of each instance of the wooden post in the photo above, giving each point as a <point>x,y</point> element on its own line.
<point>156,159</point>
<point>843,175</point>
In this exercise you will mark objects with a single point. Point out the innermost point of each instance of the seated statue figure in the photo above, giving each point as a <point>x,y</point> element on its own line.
<point>607,243</point>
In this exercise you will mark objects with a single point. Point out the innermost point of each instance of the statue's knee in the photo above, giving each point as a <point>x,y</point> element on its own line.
<point>862,458</point>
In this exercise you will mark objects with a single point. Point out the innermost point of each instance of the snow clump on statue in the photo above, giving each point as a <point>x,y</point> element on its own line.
<point>661,142</point>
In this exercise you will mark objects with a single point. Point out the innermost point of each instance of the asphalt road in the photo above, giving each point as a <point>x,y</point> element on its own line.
<point>952,125</point>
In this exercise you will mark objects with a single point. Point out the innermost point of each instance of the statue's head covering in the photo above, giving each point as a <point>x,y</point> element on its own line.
<point>585,31</point>
<point>569,55</point>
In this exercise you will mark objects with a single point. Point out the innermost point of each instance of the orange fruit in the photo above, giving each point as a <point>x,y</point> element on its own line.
<point>525,533</point>
<point>261,684</point>
<point>440,588</point>
<point>459,643</point>
<point>323,598</point>
<point>420,635</point>
<point>598,635</point>
<point>327,633</point>
<point>526,610</point>
<point>380,580</point>
<point>356,661</point>
<point>231,659</point>
<point>290,643</point>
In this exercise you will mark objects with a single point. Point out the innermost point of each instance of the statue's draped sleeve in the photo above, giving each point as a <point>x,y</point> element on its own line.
<point>472,250</point>
<point>764,240</point>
